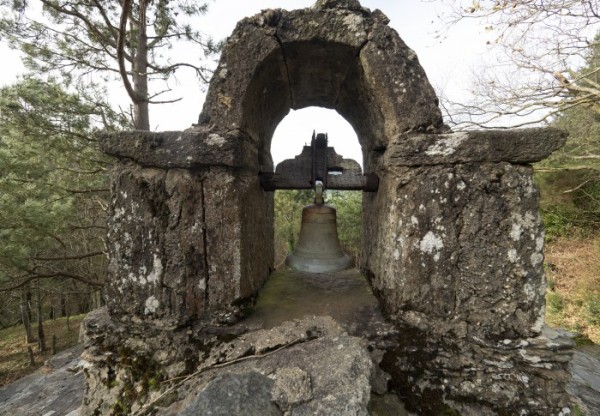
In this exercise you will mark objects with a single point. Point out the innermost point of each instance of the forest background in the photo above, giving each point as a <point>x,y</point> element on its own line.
<point>544,69</point>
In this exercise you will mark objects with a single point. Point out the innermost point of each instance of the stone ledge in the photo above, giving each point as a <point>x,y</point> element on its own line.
<point>191,148</point>
<point>514,146</point>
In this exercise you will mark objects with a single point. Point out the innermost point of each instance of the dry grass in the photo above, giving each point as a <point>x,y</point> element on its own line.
<point>14,358</point>
<point>573,296</point>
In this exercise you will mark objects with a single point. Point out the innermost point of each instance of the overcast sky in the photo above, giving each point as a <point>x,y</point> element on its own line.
<point>448,63</point>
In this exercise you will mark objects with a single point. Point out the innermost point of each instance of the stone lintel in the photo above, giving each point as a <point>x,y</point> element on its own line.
<point>191,148</point>
<point>514,146</point>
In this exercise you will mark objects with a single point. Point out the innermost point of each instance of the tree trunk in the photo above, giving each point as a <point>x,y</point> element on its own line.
<point>68,320</point>
<point>28,299</point>
<point>25,318</point>
<point>31,358</point>
<point>83,305</point>
<point>94,300</point>
<point>40,321</point>
<point>63,305</point>
<point>138,42</point>
<point>141,111</point>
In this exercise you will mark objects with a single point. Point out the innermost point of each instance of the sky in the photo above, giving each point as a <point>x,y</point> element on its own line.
<point>448,62</point>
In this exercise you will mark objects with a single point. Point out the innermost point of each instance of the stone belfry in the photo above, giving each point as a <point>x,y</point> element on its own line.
<point>452,239</point>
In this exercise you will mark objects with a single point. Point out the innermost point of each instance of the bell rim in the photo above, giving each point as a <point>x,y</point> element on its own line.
<point>319,265</point>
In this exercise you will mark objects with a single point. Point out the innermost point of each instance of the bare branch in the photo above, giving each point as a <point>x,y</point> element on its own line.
<point>72,257</point>
<point>23,280</point>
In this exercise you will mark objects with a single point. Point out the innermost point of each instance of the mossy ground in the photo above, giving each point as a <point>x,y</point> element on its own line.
<point>14,358</point>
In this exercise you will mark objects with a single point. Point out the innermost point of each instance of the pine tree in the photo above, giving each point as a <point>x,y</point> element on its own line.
<point>53,185</point>
<point>90,40</point>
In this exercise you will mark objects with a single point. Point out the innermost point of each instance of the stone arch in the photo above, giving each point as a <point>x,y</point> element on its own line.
<point>336,55</point>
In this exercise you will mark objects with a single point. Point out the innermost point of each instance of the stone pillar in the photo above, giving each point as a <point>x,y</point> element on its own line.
<point>455,255</point>
<point>184,227</point>
<point>190,244</point>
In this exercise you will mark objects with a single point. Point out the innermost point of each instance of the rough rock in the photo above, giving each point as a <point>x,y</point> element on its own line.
<point>168,231</point>
<point>284,364</point>
<point>191,148</point>
<point>585,384</point>
<point>292,387</point>
<point>324,373</point>
<point>431,268</point>
<point>61,389</point>
<point>235,394</point>
<point>55,390</point>
<point>310,358</point>
<point>527,377</point>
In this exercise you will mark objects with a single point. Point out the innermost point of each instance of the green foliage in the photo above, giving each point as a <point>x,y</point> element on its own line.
<point>554,302</point>
<point>573,295</point>
<point>592,308</point>
<point>583,126</point>
<point>570,178</point>
<point>349,217</point>
<point>581,340</point>
<point>577,410</point>
<point>569,183</point>
<point>53,183</point>
<point>288,215</point>
<point>570,201</point>
<point>143,375</point>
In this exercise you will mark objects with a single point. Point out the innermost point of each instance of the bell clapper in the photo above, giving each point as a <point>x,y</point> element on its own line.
<point>319,193</point>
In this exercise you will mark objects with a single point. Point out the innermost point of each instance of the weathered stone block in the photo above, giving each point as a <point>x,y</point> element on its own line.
<point>515,146</point>
<point>326,24</point>
<point>238,216</point>
<point>156,246</point>
<point>446,375</point>
<point>249,89</point>
<point>235,394</point>
<point>190,149</point>
<point>182,244</point>
<point>461,244</point>
<point>335,55</point>
<point>452,240</point>
<point>319,47</point>
<point>393,73</point>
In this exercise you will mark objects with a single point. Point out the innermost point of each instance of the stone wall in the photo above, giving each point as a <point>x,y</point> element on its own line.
<point>453,246</point>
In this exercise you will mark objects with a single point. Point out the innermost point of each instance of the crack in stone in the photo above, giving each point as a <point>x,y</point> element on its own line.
<point>287,69</point>
<point>459,230</point>
<point>205,247</point>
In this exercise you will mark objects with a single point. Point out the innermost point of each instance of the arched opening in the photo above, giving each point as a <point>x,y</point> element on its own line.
<point>295,130</point>
<point>292,133</point>
<point>289,294</point>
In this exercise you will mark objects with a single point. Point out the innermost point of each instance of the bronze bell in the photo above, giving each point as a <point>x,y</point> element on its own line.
<point>318,249</point>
